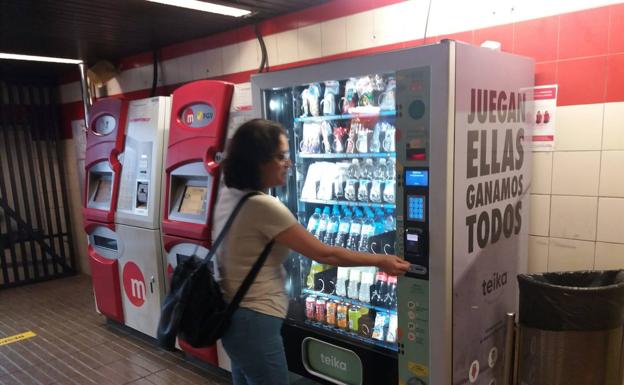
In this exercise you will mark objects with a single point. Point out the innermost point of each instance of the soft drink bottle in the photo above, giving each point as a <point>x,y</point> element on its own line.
<point>322,225</point>
<point>313,222</point>
<point>332,227</point>
<point>381,282</point>
<point>344,226</point>
<point>354,232</point>
<point>368,230</point>
<point>390,300</point>
<point>353,289</point>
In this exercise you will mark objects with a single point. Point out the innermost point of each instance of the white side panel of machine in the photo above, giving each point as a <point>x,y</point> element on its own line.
<point>491,205</point>
<point>141,277</point>
<point>141,179</point>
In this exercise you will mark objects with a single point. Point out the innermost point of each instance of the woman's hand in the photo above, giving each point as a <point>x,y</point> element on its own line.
<point>393,265</point>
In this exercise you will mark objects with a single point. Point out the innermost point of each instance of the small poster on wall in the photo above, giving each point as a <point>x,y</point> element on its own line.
<point>544,108</point>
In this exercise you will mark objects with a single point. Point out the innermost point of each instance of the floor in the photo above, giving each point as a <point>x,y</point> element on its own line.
<point>74,345</point>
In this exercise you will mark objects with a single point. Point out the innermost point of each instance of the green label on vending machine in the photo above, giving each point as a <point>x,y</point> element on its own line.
<point>332,362</point>
<point>414,331</point>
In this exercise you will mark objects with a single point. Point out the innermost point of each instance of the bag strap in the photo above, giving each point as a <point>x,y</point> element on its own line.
<point>249,279</point>
<point>226,227</point>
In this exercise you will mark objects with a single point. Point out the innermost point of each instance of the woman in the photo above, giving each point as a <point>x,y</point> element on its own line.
<point>257,160</point>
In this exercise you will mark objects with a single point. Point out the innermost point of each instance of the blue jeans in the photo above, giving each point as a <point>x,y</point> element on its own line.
<point>254,343</point>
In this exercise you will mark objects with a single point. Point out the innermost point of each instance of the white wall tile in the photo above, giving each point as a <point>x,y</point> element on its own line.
<point>613,131</point>
<point>570,255</point>
<point>573,217</point>
<point>576,173</point>
<point>231,59</point>
<point>538,254</point>
<point>287,47</point>
<point>270,43</point>
<point>249,55</point>
<point>200,68</point>
<point>213,65</point>
<point>309,42</point>
<point>612,174</point>
<point>541,174</point>
<point>360,30</point>
<point>389,24</point>
<point>334,36</point>
<point>579,127</point>
<point>609,256</point>
<point>410,21</point>
<point>540,215</point>
<point>610,220</point>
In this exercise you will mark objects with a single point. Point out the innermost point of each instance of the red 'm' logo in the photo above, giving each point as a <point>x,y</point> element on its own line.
<point>134,284</point>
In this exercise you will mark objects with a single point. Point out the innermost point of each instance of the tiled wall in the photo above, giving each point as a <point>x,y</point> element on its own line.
<point>577,200</point>
<point>577,190</point>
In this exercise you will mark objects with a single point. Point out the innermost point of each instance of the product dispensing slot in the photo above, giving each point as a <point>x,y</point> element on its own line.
<point>417,221</point>
<point>100,186</point>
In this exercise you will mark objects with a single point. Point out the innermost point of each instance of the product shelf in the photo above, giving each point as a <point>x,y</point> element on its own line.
<point>347,156</point>
<point>345,333</point>
<point>349,301</point>
<point>345,116</point>
<point>349,203</point>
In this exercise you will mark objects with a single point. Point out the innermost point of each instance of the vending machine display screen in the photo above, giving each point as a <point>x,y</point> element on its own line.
<point>193,200</point>
<point>417,178</point>
<point>416,208</point>
<point>103,191</point>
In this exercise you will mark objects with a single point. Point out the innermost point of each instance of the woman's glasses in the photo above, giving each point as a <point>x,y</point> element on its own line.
<point>282,156</point>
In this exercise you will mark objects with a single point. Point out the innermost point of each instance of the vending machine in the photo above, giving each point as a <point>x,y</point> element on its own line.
<point>422,153</point>
<point>105,141</point>
<point>137,219</point>
<point>199,118</point>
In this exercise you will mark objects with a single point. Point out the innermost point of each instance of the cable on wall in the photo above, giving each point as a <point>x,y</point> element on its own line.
<point>154,72</point>
<point>264,62</point>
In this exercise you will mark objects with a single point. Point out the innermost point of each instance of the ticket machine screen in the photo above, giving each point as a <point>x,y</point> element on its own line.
<point>193,201</point>
<point>107,243</point>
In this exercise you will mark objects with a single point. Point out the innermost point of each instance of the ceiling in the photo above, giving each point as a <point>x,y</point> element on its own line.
<point>111,29</point>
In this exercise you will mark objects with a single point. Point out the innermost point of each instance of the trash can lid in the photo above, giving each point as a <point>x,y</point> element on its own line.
<point>573,300</point>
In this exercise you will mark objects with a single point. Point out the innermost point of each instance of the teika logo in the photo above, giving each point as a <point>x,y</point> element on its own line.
<point>333,362</point>
<point>496,282</point>
<point>134,284</point>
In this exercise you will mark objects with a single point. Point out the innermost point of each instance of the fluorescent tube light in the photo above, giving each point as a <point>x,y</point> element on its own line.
<point>14,56</point>
<point>205,6</point>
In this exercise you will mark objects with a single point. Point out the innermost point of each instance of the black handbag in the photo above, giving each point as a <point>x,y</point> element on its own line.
<point>194,309</point>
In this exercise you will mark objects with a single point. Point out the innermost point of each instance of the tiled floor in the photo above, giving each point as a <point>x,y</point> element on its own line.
<point>74,345</point>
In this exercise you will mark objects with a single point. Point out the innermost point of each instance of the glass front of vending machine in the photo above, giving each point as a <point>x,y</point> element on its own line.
<point>342,188</point>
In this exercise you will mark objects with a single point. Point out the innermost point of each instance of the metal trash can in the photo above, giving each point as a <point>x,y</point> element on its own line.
<point>571,327</point>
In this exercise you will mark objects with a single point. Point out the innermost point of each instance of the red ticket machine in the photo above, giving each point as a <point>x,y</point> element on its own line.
<point>198,128</point>
<point>105,141</point>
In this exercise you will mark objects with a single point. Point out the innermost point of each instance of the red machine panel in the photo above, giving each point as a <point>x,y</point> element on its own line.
<point>105,141</point>
<point>197,133</point>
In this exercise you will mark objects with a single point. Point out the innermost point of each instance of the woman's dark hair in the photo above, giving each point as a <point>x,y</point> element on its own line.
<point>254,143</point>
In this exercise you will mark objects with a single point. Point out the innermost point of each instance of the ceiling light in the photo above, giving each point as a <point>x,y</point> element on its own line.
<point>205,6</point>
<point>14,56</point>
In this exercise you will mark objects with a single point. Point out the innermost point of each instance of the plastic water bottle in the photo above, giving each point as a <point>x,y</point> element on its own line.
<point>332,227</point>
<point>379,221</point>
<point>353,173</point>
<point>354,232</point>
<point>313,222</point>
<point>344,226</point>
<point>389,221</point>
<point>368,230</point>
<point>322,225</point>
<point>366,176</point>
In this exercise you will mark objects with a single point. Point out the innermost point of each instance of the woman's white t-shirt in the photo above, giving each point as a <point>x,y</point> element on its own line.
<point>260,219</point>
